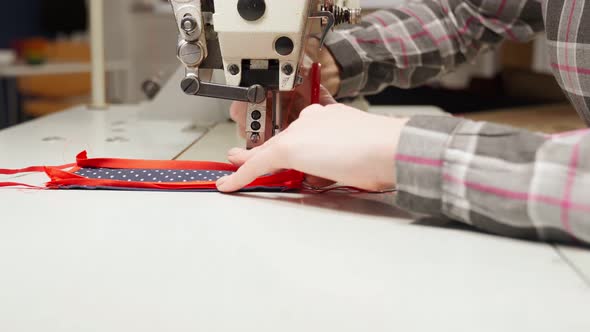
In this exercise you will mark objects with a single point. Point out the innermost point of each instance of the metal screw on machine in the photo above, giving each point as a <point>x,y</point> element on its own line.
<point>288,69</point>
<point>190,54</point>
<point>190,85</point>
<point>299,80</point>
<point>189,24</point>
<point>256,94</point>
<point>256,126</point>
<point>256,115</point>
<point>255,138</point>
<point>234,69</point>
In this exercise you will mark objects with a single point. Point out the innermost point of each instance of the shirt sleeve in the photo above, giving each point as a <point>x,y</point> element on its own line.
<point>411,44</point>
<point>499,179</point>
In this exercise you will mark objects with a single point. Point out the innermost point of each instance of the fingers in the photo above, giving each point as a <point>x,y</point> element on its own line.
<point>312,50</point>
<point>313,44</point>
<point>241,131</point>
<point>310,109</point>
<point>262,163</point>
<point>239,157</point>
<point>326,97</point>
<point>237,111</point>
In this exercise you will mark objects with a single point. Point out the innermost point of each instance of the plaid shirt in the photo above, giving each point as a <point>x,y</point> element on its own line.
<point>500,179</point>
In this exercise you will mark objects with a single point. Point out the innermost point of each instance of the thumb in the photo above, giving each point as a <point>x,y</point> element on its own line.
<point>326,97</point>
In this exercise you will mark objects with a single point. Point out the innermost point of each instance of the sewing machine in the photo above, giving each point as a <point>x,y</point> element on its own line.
<point>152,261</point>
<point>259,45</point>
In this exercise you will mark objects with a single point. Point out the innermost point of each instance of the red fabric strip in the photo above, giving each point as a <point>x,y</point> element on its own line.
<point>84,162</point>
<point>60,178</point>
<point>32,169</point>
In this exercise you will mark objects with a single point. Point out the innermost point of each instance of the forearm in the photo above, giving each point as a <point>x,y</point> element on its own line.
<point>500,179</point>
<point>412,44</point>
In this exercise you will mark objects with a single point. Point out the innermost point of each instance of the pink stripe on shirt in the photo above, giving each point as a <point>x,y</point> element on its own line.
<point>515,195</point>
<point>419,160</point>
<point>569,186</point>
<point>572,69</point>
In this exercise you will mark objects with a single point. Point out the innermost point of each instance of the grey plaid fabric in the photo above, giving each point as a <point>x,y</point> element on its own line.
<point>500,179</point>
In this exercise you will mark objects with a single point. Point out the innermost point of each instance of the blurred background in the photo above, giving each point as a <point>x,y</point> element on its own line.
<point>45,54</point>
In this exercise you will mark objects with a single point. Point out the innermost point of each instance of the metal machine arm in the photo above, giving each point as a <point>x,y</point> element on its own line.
<point>259,44</point>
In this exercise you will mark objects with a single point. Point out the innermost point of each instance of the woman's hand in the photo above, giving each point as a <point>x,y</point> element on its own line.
<point>333,142</point>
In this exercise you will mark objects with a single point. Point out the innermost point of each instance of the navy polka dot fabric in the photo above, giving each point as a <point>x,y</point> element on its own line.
<point>151,175</point>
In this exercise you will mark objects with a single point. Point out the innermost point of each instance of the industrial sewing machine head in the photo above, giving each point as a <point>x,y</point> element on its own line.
<point>259,44</point>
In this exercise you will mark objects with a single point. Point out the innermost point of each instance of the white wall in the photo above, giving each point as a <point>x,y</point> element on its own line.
<point>116,15</point>
<point>146,41</point>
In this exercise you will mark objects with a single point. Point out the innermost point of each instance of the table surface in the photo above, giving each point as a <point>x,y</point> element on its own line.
<point>149,261</point>
<point>548,119</point>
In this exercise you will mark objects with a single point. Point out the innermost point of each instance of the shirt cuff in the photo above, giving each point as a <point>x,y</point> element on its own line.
<point>350,61</point>
<point>420,161</point>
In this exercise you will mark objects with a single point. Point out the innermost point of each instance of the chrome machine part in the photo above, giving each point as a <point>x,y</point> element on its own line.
<point>334,13</point>
<point>257,131</point>
<point>259,44</point>
<point>277,113</point>
<point>192,85</point>
<point>190,53</point>
<point>192,43</point>
<point>189,19</point>
<point>343,14</point>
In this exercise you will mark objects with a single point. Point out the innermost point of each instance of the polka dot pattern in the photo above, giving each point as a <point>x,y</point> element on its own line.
<point>152,176</point>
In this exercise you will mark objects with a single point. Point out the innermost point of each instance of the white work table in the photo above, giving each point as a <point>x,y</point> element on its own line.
<point>167,261</point>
